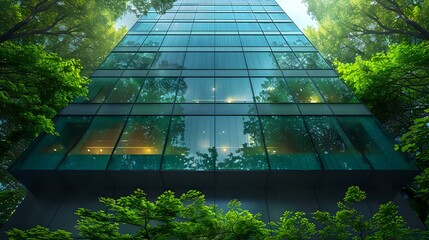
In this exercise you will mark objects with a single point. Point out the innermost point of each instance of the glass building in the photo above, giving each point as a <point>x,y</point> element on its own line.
<point>228,97</point>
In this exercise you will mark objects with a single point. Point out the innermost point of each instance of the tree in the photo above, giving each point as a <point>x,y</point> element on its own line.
<point>188,217</point>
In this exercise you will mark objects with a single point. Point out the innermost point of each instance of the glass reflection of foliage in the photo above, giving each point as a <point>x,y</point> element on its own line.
<point>297,40</point>
<point>271,90</point>
<point>168,60</point>
<point>303,90</point>
<point>334,90</point>
<point>233,90</point>
<point>50,149</point>
<point>141,144</point>
<point>132,40</point>
<point>153,41</point>
<point>158,90</point>
<point>288,143</point>
<point>287,60</point>
<point>125,90</point>
<point>335,149</point>
<point>239,143</point>
<point>141,61</point>
<point>117,61</point>
<point>312,60</point>
<point>190,144</point>
<point>195,90</point>
<point>93,150</point>
<point>99,89</point>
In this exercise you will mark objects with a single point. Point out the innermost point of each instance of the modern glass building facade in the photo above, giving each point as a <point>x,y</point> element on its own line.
<point>228,97</point>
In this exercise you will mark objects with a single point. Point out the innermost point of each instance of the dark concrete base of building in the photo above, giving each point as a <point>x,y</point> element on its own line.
<point>269,193</point>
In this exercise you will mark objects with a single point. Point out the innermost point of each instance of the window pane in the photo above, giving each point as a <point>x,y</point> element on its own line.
<point>185,15</point>
<point>168,60</point>
<point>99,89</point>
<point>153,40</point>
<point>180,27</point>
<point>368,138</point>
<point>224,16</point>
<point>279,16</point>
<point>261,60</point>
<point>227,41</point>
<point>288,143</point>
<point>334,90</point>
<point>273,8</point>
<point>204,16</point>
<point>248,27</point>
<point>117,61</point>
<point>141,144</point>
<point>149,16</point>
<point>229,60</point>
<point>50,150</point>
<point>201,41</point>
<point>243,16</point>
<point>158,90</point>
<point>141,61</point>
<point>176,41</point>
<point>190,144</point>
<point>132,40</point>
<point>93,150</point>
<point>276,41</point>
<point>225,27</point>
<point>168,16</point>
<point>262,16</point>
<point>196,90</point>
<point>297,40</point>
<point>334,148</point>
<point>268,27</point>
<point>287,60</point>
<point>271,90</point>
<point>253,41</point>
<point>233,90</point>
<point>199,60</point>
<point>312,60</point>
<point>239,144</point>
<point>287,27</point>
<point>203,27</point>
<point>304,90</point>
<point>125,90</point>
<point>160,27</point>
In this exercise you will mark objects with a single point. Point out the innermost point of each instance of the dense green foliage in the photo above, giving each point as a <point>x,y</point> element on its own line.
<point>381,50</point>
<point>189,217</point>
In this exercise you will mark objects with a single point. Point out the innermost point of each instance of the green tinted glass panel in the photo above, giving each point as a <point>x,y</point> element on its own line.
<point>229,60</point>
<point>99,89</point>
<point>268,27</point>
<point>49,150</point>
<point>303,90</point>
<point>225,27</point>
<point>93,150</point>
<point>201,41</point>
<point>334,90</point>
<point>288,143</point>
<point>125,90</point>
<point>203,27</point>
<point>239,144</point>
<point>153,40</point>
<point>276,41</point>
<point>297,40</point>
<point>312,60</point>
<point>370,140</point>
<point>141,61</point>
<point>190,144</point>
<point>160,27</point>
<point>176,41</point>
<point>132,40</point>
<point>196,90</point>
<point>199,60</point>
<point>227,41</point>
<point>141,144</point>
<point>271,90</point>
<point>117,61</point>
<point>334,147</point>
<point>233,90</point>
<point>248,27</point>
<point>287,60</point>
<point>158,90</point>
<point>253,41</point>
<point>168,60</point>
<point>260,60</point>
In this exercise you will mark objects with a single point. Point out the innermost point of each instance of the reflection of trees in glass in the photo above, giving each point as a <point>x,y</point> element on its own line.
<point>334,147</point>
<point>239,144</point>
<point>159,90</point>
<point>288,143</point>
<point>287,60</point>
<point>168,60</point>
<point>271,90</point>
<point>195,90</point>
<point>190,144</point>
<point>117,61</point>
<point>153,41</point>
<point>141,61</point>
<point>125,90</point>
<point>334,90</point>
<point>132,40</point>
<point>141,144</point>
<point>303,90</point>
<point>312,60</point>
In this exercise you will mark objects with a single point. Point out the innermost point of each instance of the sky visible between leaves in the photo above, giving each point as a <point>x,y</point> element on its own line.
<point>296,10</point>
